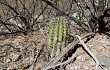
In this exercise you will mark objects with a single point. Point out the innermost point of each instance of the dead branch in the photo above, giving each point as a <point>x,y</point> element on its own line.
<point>64,63</point>
<point>65,51</point>
<point>88,50</point>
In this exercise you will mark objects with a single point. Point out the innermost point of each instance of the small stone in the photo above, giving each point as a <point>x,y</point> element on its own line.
<point>79,57</point>
<point>14,56</point>
<point>68,67</point>
<point>8,60</point>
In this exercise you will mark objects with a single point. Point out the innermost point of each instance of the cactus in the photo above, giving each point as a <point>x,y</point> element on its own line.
<point>50,31</point>
<point>65,32</point>
<point>57,33</point>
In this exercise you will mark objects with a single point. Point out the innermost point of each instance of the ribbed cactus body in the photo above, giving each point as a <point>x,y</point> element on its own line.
<point>57,33</point>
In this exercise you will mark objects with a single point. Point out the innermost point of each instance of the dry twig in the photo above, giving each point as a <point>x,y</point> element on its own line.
<point>55,60</point>
<point>88,50</point>
<point>64,63</point>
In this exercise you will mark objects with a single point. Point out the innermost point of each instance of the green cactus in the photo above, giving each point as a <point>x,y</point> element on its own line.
<point>57,33</point>
<point>65,32</point>
<point>50,31</point>
<point>60,33</point>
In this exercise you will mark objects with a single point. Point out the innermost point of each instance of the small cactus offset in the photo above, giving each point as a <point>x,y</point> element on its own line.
<point>57,33</point>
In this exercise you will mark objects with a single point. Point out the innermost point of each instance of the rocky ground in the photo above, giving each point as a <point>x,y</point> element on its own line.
<point>20,52</point>
<point>100,46</point>
<point>30,53</point>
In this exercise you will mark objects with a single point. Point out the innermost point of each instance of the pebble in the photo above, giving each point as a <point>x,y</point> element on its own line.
<point>8,60</point>
<point>14,57</point>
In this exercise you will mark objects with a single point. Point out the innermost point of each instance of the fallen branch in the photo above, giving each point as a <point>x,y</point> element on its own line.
<point>88,50</point>
<point>64,63</point>
<point>55,60</point>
